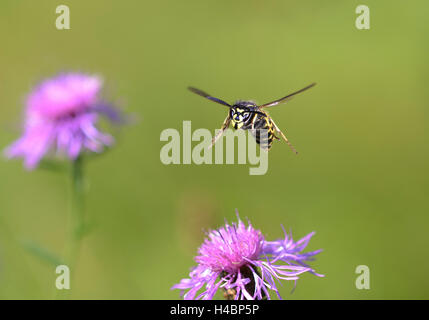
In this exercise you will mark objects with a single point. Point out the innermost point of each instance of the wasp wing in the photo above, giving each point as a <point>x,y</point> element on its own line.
<point>287,98</point>
<point>206,95</point>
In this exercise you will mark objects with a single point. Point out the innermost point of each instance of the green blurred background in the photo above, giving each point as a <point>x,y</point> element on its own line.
<point>360,180</point>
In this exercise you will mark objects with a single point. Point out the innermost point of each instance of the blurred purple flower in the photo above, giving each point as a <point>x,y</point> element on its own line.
<point>61,115</point>
<point>237,259</point>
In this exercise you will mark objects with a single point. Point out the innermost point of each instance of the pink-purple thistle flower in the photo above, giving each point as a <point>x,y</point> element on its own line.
<point>61,116</point>
<point>240,261</point>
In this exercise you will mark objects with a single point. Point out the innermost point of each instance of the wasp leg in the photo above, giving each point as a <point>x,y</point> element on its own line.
<point>284,137</point>
<point>225,126</point>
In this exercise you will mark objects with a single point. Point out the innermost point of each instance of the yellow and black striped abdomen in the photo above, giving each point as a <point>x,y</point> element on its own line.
<point>260,122</point>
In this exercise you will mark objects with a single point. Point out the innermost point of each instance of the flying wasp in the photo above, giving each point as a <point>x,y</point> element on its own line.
<point>247,115</point>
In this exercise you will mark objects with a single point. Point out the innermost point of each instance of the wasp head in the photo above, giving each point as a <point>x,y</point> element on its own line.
<point>241,113</point>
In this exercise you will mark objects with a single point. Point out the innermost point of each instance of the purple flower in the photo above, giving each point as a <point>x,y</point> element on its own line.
<point>239,260</point>
<point>61,116</point>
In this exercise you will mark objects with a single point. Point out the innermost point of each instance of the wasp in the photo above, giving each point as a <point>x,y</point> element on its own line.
<point>247,115</point>
<point>229,294</point>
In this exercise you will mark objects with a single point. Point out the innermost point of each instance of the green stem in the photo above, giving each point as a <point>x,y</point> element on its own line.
<point>76,222</point>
